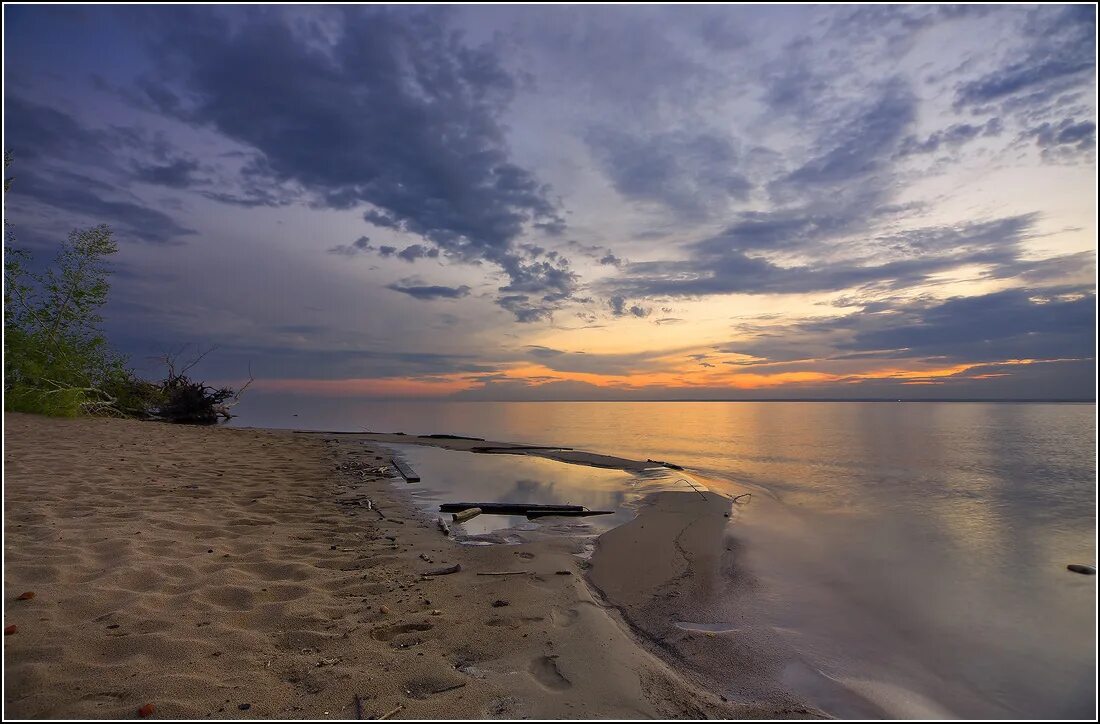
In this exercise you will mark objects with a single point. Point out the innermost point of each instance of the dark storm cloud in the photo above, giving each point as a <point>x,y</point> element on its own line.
<point>381,108</point>
<point>178,174</point>
<point>690,174</point>
<point>429,292</point>
<point>55,155</point>
<point>34,131</point>
<point>81,195</point>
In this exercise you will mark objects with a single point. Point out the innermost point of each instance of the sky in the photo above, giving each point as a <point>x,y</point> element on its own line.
<point>576,202</point>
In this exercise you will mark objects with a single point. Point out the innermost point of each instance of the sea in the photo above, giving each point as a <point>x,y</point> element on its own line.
<point>914,552</point>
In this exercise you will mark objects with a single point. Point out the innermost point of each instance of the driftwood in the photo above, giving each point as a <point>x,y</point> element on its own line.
<point>505,573</point>
<point>450,437</point>
<point>532,514</point>
<point>464,515</point>
<point>531,510</point>
<point>406,472</point>
<point>504,508</point>
<point>673,466</point>
<point>444,571</point>
<point>443,525</point>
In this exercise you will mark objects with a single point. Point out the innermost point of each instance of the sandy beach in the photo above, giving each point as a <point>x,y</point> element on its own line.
<point>236,574</point>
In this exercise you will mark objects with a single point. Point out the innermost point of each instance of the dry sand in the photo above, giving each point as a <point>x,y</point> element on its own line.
<point>231,573</point>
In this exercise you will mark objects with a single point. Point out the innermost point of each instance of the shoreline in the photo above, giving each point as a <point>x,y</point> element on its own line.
<point>215,572</point>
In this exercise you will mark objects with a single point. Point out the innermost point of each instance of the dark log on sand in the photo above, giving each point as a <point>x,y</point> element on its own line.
<point>450,437</point>
<point>531,510</point>
<point>444,571</point>
<point>532,514</point>
<point>406,472</point>
<point>504,508</point>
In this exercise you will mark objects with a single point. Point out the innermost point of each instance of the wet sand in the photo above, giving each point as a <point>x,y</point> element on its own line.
<point>227,573</point>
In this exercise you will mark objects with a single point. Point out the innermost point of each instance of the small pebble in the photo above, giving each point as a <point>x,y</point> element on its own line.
<point>499,603</point>
<point>384,609</point>
<point>1082,568</point>
<point>147,710</point>
<point>26,596</point>
<point>244,707</point>
<point>9,630</point>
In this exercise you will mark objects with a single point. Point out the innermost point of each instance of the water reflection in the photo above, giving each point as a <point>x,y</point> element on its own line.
<point>923,543</point>
<point>452,476</point>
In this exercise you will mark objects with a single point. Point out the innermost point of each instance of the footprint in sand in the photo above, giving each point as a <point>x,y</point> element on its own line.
<point>388,633</point>
<point>564,618</point>
<point>544,669</point>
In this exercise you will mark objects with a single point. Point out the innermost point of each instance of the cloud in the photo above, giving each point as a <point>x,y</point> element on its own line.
<point>692,175</point>
<point>429,292</point>
<point>862,143</point>
<point>726,264</point>
<point>1060,48</point>
<point>386,109</point>
<point>55,153</point>
<point>1013,324</point>
<point>951,137</point>
<point>1069,140</point>
<point>359,246</point>
<point>179,174</point>
<point>80,195</point>
<point>417,251</point>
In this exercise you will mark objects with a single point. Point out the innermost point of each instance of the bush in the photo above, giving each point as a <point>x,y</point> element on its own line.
<point>56,358</point>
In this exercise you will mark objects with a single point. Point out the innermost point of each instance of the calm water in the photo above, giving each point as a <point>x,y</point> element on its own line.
<point>453,476</point>
<point>915,552</point>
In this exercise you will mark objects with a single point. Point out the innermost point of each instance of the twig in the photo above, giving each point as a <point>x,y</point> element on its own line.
<point>393,711</point>
<point>459,685</point>
<point>505,573</point>
<point>742,495</point>
<point>692,487</point>
<point>358,707</point>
